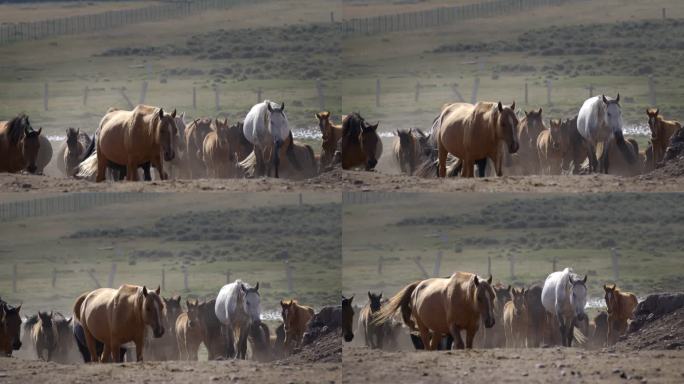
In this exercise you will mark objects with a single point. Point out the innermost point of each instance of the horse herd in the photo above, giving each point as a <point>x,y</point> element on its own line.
<point>436,311</point>
<point>106,322</point>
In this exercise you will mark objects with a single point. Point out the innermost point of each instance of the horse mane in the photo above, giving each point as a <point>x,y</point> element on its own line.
<point>352,127</point>
<point>30,322</point>
<point>15,128</point>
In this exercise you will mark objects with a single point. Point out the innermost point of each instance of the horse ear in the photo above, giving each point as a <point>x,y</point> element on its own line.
<point>614,286</point>
<point>617,99</point>
<point>513,106</point>
<point>225,121</point>
<point>144,291</point>
<point>318,116</point>
<point>605,288</point>
<point>282,105</point>
<point>268,106</point>
<point>657,111</point>
<point>40,130</point>
<point>158,290</point>
<point>540,110</point>
<point>585,279</point>
<point>604,99</point>
<point>369,295</point>
<point>256,288</point>
<point>18,308</point>
<point>350,299</point>
<point>161,113</point>
<point>489,281</point>
<point>499,106</point>
<point>380,296</point>
<point>173,114</point>
<point>510,288</point>
<point>476,280</point>
<point>282,303</point>
<point>78,131</point>
<point>177,298</point>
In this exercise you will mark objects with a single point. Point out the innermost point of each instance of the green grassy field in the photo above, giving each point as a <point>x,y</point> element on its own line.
<point>205,234</point>
<point>577,230</point>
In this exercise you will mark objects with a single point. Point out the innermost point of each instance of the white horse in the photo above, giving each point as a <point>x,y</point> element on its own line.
<point>237,307</point>
<point>564,297</point>
<point>266,127</point>
<point>599,120</point>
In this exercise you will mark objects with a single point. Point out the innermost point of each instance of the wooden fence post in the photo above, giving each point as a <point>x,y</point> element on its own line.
<point>615,256</point>
<point>14,278</point>
<point>554,264</point>
<point>381,260</point>
<point>194,98</point>
<point>301,199</point>
<point>45,96</point>
<point>85,96</point>
<point>163,279</point>
<point>377,93</point>
<point>112,275</point>
<point>591,90</point>
<point>417,96</point>
<point>476,87</point>
<point>511,266</point>
<point>664,14</point>
<point>332,16</point>
<point>321,95</point>
<point>217,102</point>
<point>527,102</point>
<point>416,260</point>
<point>143,92</point>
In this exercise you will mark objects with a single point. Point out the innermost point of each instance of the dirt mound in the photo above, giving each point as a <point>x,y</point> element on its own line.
<point>322,340</point>
<point>658,324</point>
<point>673,162</point>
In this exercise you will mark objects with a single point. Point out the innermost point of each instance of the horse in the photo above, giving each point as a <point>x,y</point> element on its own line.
<point>475,132</point>
<point>661,131</point>
<point>550,149</point>
<point>614,162</point>
<point>495,336</point>
<point>135,137</point>
<point>440,306</point>
<point>44,154</point>
<point>43,335</point>
<point>164,348</point>
<point>572,144</point>
<point>213,338</point>
<point>82,344</point>
<point>72,151</point>
<point>599,336</point>
<point>564,297</point>
<point>10,328</point>
<point>347,319</point>
<point>360,143</point>
<point>240,146</point>
<point>260,340</point>
<point>515,319</point>
<point>216,152</point>
<point>620,306</point>
<point>538,329</point>
<point>189,331</point>
<point>195,134</point>
<point>19,145</point>
<point>118,316</point>
<point>408,149</point>
<point>237,306</point>
<point>373,333</point>
<point>295,319</point>
<point>331,135</point>
<point>526,159</point>
<point>599,119</point>
<point>266,127</point>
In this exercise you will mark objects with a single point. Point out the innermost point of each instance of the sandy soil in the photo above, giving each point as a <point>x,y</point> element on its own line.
<point>511,366</point>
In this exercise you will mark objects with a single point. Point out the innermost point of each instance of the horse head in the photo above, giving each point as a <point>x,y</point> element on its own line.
<point>347,318</point>
<point>578,296</point>
<point>30,145</point>
<point>611,298</point>
<point>406,145</point>
<point>251,301</point>
<point>369,142</point>
<point>47,328</point>
<point>507,126</point>
<point>279,130</point>
<point>167,134</point>
<point>503,294</point>
<point>556,134</point>
<point>518,298</point>
<point>324,123</point>
<point>10,320</point>
<point>153,310</point>
<point>534,125</point>
<point>172,309</point>
<point>484,296</point>
<point>222,131</point>
<point>72,139</point>
<point>653,122</point>
<point>614,117</point>
<point>193,313</point>
<point>374,301</point>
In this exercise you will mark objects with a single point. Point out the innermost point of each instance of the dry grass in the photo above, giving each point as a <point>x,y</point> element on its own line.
<point>28,12</point>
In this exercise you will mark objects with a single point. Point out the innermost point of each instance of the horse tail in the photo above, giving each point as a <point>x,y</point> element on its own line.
<point>401,300</point>
<point>77,306</point>
<point>87,168</point>
<point>579,337</point>
<point>248,165</point>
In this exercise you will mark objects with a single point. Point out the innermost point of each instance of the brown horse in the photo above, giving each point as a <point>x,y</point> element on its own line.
<point>661,131</point>
<point>164,348</point>
<point>572,144</point>
<point>475,132</point>
<point>361,145</point>
<point>260,339</point>
<point>195,133</point>
<point>526,159</point>
<point>407,149</point>
<point>118,316</point>
<point>295,319</point>
<point>515,319</point>
<point>190,331</point>
<point>599,335</point>
<point>550,149</point>
<point>136,137</point>
<point>217,152</point>
<point>43,335</point>
<point>613,159</point>
<point>347,319</point>
<point>213,338</point>
<point>305,166</point>
<point>19,145</point>
<point>620,309</point>
<point>72,151</point>
<point>10,328</point>
<point>331,137</point>
<point>444,306</point>
<point>495,337</point>
<point>373,333</point>
<point>538,330</point>
<point>240,146</point>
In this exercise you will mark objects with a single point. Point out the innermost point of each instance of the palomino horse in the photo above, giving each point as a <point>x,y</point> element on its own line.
<point>195,134</point>
<point>620,309</point>
<point>295,319</point>
<point>72,152</point>
<point>240,147</point>
<point>373,333</point>
<point>237,307</point>
<point>475,132</point>
<point>10,328</point>
<point>564,297</point>
<point>19,145</point>
<point>550,149</point>
<point>444,306</point>
<point>266,127</point>
<point>360,144</point>
<point>118,316</point>
<point>213,339</point>
<point>217,153</point>
<point>134,138</point>
<point>189,331</point>
<point>599,119</point>
<point>164,348</point>
<point>515,319</point>
<point>408,149</point>
<point>43,335</point>
<point>331,137</point>
<point>347,319</point>
<point>661,131</point>
<point>526,160</point>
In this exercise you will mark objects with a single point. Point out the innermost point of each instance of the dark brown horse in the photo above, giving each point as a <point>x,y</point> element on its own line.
<point>195,133</point>
<point>361,144</point>
<point>239,144</point>
<point>19,145</point>
<point>347,318</point>
<point>572,143</point>
<point>10,328</point>
<point>213,340</point>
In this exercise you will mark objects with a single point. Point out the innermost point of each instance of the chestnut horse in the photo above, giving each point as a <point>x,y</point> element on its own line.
<point>361,144</point>
<point>10,328</point>
<point>444,306</point>
<point>189,331</point>
<point>347,318</point>
<point>620,309</point>
<point>295,319</point>
<point>19,145</point>
<point>118,316</point>
<point>195,133</point>
<point>515,319</point>
<point>661,131</point>
<point>72,151</point>
<point>136,137</point>
<point>550,149</point>
<point>331,137</point>
<point>475,132</point>
<point>217,153</point>
<point>528,131</point>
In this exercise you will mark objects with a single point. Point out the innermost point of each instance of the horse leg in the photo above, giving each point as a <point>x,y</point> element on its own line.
<point>424,335</point>
<point>139,345</point>
<point>379,334</point>
<point>467,170</point>
<point>157,163</point>
<point>101,167</point>
<point>115,351</point>
<point>92,345</point>
<point>242,344</point>
<point>470,336</point>
<point>442,156</point>
<point>131,171</point>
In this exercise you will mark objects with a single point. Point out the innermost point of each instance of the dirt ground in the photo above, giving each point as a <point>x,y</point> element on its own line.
<point>511,366</point>
<point>339,180</point>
